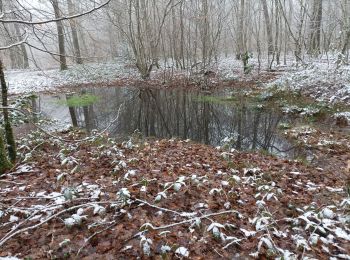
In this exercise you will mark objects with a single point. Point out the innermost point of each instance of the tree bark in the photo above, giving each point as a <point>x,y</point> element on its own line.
<point>315,27</point>
<point>241,41</point>
<point>60,34</point>
<point>205,35</point>
<point>270,48</point>
<point>10,140</point>
<point>4,162</point>
<point>72,112</point>
<point>73,26</point>
<point>25,59</point>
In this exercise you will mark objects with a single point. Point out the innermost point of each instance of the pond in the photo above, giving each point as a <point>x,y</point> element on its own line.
<point>187,114</point>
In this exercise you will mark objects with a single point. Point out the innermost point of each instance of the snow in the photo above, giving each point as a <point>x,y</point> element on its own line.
<point>74,220</point>
<point>248,233</point>
<point>13,218</point>
<point>69,222</point>
<point>327,213</point>
<point>343,116</point>
<point>33,81</point>
<point>341,233</point>
<point>41,80</point>
<point>165,249</point>
<point>177,186</point>
<point>99,210</point>
<point>324,83</point>
<point>182,251</point>
<point>214,225</point>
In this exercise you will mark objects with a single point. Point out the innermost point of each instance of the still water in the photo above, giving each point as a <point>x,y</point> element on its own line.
<point>194,115</point>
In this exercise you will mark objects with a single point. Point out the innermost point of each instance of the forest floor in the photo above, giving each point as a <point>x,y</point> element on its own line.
<point>78,197</point>
<point>97,199</point>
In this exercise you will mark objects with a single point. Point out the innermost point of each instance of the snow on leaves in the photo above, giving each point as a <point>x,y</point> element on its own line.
<point>176,207</point>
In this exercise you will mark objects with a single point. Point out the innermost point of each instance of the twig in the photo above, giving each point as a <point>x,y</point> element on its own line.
<point>15,44</point>
<point>216,251</point>
<point>12,182</point>
<point>7,237</point>
<point>235,241</point>
<point>57,19</point>
<point>192,219</point>
<point>94,234</point>
<point>9,234</point>
<point>182,214</point>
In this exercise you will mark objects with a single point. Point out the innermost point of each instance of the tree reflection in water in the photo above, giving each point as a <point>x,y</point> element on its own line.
<point>174,113</point>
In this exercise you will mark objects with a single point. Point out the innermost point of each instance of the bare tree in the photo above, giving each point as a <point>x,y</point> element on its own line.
<point>73,26</point>
<point>60,35</point>
<point>269,33</point>
<point>241,36</point>
<point>315,27</point>
<point>10,140</point>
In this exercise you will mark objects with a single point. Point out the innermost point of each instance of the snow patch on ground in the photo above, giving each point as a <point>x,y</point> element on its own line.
<point>343,116</point>
<point>325,84</point>
<point>32,81</point>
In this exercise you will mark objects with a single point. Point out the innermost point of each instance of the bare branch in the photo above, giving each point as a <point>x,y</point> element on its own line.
<point>57,19</point>
<point>15,44</point>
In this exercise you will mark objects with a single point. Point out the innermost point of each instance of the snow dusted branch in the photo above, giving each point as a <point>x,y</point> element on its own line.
<point>11,182</point>
<point>54,20</point>
<point>9,235</point>
<point>182,214</point>
<point>2,48</point>
<point>190,220</point>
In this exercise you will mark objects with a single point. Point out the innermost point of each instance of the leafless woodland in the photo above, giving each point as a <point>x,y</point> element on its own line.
<point>172,33</point>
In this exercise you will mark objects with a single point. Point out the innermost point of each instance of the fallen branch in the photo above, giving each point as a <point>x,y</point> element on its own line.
<point>12,182</point>
<point>7,237</point>
<point>94,234</point>
<point>189,220</point>
<point>182,214</point>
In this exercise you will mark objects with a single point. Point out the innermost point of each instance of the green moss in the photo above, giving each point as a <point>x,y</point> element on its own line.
<point>213,99</point>
<point>4,162</point>
<point>11,143</point>
<point>284,126</point>
<point>81,101</point>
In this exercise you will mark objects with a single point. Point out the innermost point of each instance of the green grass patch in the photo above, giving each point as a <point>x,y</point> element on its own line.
<point>81,100</point>
<point>215,99</point>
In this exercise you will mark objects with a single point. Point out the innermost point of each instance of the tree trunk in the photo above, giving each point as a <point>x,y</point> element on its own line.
<point>342,59</point>
<point>25,59</point>
<point>315,27</point>
<point>72,113</point>
<point>73,26</point>
<point>4,162</point>
<point>205,35</point>
<point>346,43</point>
<point>10,140</point>
<point>269,32</point>
<point>60,34</point>
<point>241,41</point>
<point>182,39</point>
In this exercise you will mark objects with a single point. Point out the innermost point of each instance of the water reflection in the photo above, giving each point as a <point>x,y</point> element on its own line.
<point>172,113</point>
